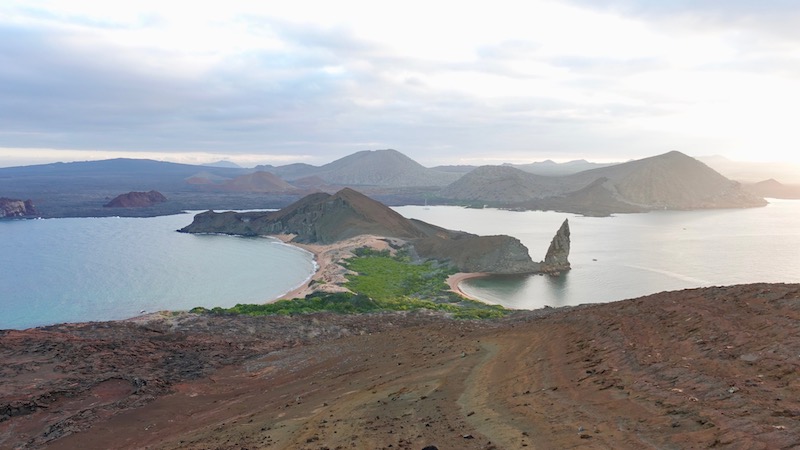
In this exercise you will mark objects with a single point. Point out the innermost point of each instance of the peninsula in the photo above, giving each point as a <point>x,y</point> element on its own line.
<point>336,224</point>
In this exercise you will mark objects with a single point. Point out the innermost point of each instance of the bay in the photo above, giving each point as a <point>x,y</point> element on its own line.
<point>83,269</point>
<point>632,255</point>
<point>86,269</point>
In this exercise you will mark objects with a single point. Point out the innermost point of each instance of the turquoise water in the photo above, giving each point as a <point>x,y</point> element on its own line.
<point>68,270</point>
<point>632,255</point>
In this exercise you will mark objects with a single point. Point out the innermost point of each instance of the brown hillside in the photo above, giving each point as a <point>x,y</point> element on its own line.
<point>669,181</point>
<point>263,182</point>
<point>502,185</point>
<point>320,218</point>
<point>387,168</point>
<point>704,368</point>
<point>324,219</point>
<point>672,181</point>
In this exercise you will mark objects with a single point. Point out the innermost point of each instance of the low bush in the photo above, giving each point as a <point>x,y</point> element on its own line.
<point>382,283</point>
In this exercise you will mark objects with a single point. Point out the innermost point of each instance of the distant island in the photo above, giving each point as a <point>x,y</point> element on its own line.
<point>671,181</point>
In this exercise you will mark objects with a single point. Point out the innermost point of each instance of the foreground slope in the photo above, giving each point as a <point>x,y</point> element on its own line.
<point>713,367</point>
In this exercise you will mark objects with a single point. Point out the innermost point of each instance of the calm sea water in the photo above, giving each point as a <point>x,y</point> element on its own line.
<point>631,255</point>
<point>68,270</point>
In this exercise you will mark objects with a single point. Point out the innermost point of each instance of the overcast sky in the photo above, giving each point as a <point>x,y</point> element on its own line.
<point>445,82</point>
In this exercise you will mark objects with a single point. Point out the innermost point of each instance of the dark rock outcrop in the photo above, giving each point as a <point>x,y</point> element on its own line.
<point>466,252</point>
<point>136,200</point>
<point>557,258</point>
<point>325,219</point>
<point>10,207</point>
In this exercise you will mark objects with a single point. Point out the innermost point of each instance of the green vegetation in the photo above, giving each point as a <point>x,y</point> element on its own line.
<point>341,302</point>
<point>382,283</point>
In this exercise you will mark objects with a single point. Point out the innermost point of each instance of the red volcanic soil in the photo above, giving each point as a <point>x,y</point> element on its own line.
<point>713,367</point>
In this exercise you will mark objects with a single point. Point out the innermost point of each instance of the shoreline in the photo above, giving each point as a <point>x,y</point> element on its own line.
<point>454,281</point>
<point>330,275</point>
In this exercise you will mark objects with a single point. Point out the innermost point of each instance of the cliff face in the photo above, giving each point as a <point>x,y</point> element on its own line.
<point>557,257</point>
<point>10,207</point>
<point>324,218</point>
<point>136,200</point>
<point>487,254</point>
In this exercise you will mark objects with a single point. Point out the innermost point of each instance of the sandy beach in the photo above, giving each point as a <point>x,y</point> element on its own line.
<point>454,281</point>
<point>330,275</point>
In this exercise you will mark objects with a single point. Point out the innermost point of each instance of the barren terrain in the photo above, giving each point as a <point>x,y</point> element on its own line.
<point>714,367</point>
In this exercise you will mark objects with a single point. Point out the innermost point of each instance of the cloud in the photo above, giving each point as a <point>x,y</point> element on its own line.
<point>440,82</point>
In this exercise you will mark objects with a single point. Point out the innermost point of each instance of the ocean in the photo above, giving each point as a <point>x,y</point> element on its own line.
<point>85,269</point>
<point>631,255</point>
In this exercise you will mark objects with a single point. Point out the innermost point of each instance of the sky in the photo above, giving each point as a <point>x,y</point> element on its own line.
<point>444,82</point>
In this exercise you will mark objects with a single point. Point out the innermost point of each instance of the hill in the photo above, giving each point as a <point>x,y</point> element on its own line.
<point>263,182</point>
<point>669,181</point>
<point>325,219</point>
<point>368,168</point>
<point>672,181</point>
<point>551,168</point>
<point>773,189</point>
<point>136,200</point>
<point>121,174</point>
<point>223,163</point>
<point>504,185</point>
<point>703,368</point>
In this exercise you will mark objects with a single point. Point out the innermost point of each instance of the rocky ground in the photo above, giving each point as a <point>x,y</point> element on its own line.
<point>714,367</point>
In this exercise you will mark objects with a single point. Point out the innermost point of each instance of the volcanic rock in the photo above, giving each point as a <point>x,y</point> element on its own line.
<point>324,219</point>
<point>557,258</point>
<point>136,200</point>
<point>10,207</point>
<point>714,367</point>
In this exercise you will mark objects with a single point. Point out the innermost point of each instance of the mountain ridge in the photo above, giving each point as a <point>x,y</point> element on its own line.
<point>669,181</point>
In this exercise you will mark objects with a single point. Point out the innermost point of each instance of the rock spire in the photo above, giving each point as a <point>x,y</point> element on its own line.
<point>557,258</point>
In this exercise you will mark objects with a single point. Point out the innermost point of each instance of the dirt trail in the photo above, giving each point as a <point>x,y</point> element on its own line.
<point>715,367</point>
